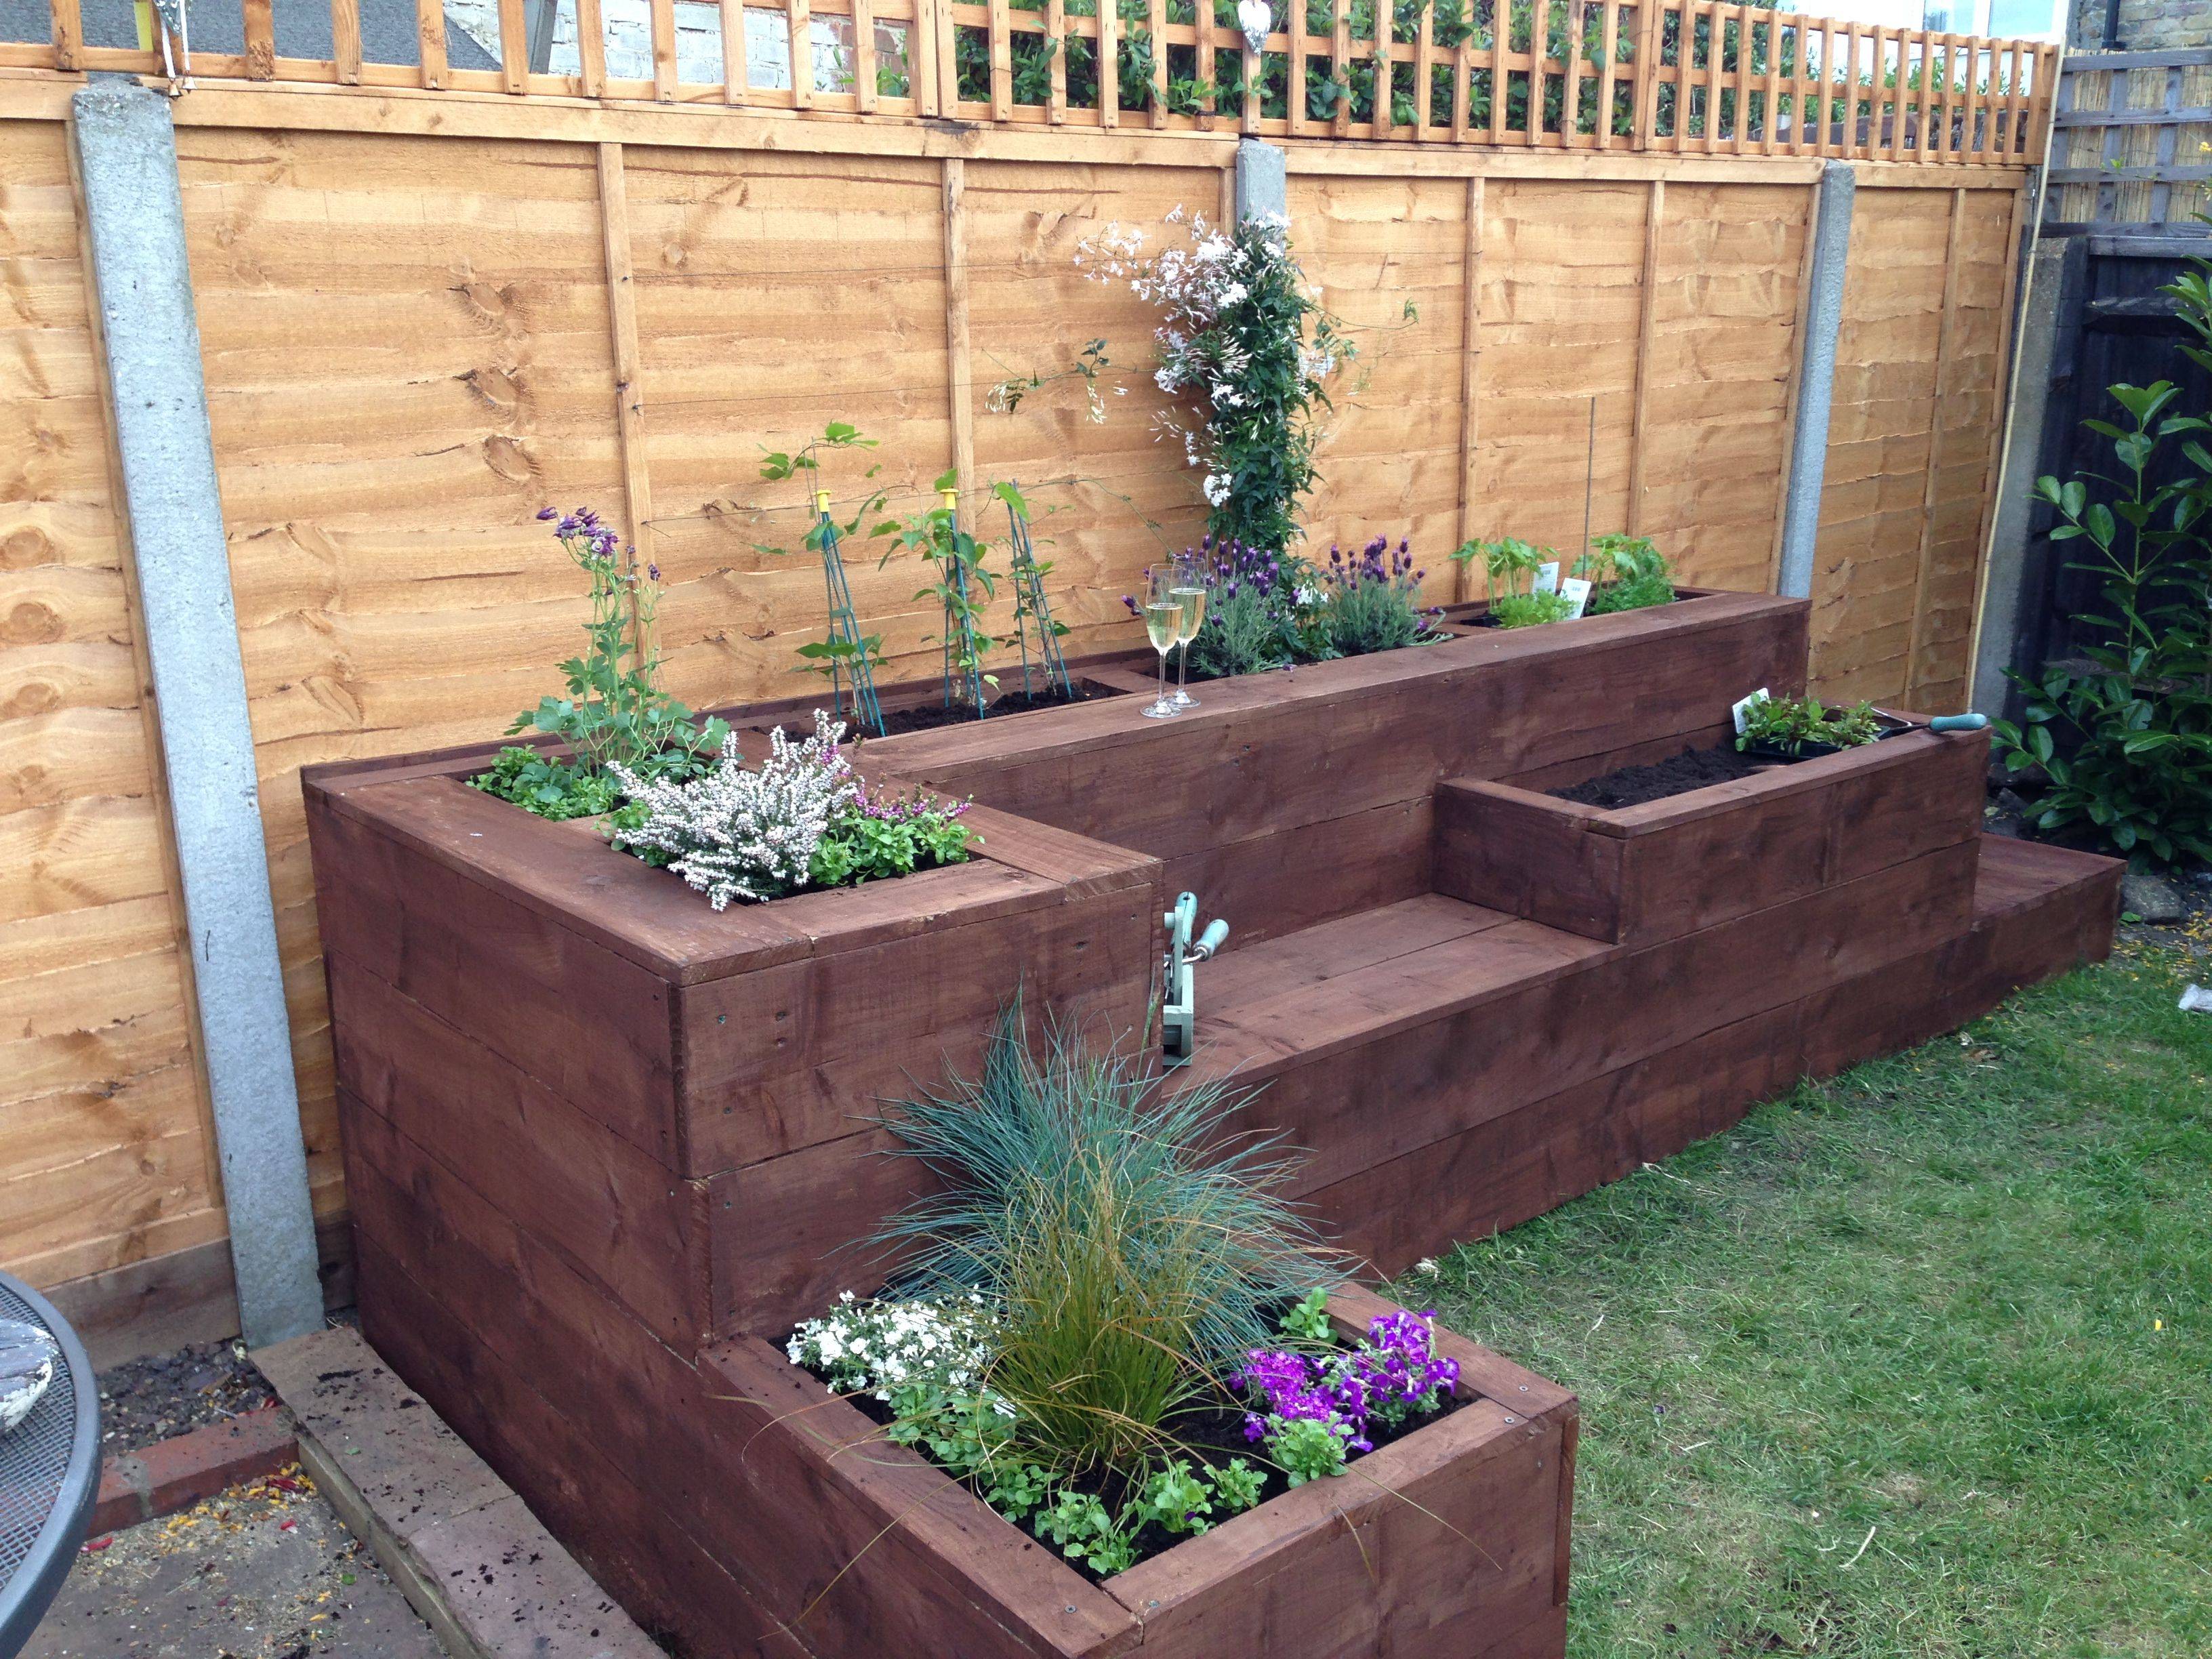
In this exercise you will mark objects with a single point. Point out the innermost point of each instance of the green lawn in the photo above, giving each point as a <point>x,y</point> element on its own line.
<point>1917,1362</point>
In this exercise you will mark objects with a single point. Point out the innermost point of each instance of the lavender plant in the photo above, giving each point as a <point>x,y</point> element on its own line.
<point>1374,600</point>
<point>1254,617</point>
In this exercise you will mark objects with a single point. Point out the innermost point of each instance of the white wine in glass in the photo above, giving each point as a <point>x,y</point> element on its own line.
<point>1163,625</point>
<point>1190,592</point>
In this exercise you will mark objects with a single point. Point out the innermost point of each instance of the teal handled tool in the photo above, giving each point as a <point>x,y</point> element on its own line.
<point>1938,723</point>
<point>1179,1017</point>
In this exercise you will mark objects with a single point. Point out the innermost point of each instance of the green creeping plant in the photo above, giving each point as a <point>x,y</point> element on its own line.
<point>1791,723</point>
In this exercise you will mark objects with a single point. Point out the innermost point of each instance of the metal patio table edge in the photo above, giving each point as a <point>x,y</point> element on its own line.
<point>26,1596</point>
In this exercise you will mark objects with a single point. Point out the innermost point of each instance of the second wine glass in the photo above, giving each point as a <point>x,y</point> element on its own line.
<point>1189,592</point>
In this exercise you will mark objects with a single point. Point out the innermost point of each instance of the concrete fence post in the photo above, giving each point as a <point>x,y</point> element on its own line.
<point>1816,377</point>
<point>1263,186</point>
<point>126,154</point>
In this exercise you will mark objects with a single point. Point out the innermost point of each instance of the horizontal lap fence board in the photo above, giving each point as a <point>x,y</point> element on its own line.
<point>415,336</point>
<point>2133,143</point>
<point>1680,77</point>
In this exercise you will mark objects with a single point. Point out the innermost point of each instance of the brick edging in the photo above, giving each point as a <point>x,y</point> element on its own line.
<point>177,1473</point>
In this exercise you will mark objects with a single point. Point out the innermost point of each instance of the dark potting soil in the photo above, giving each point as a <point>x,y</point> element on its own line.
<point>1211,1435</point>
<point>1632,786</point>
<point>928,716</point>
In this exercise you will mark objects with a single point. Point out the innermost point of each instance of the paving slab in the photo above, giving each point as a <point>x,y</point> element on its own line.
<point>462,1547</point>
<point>262,1571</point>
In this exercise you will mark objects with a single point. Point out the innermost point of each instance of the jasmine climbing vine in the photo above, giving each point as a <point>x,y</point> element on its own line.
<point>1250,348</point>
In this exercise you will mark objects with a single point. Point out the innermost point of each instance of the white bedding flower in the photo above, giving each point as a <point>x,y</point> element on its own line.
<point>878,1348</point>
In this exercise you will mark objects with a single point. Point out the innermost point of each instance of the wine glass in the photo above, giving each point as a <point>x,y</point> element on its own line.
<point>1163,623</point>
<point>1190,591</point>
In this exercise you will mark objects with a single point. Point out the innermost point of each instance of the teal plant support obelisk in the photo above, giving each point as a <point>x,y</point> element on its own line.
<point>845,639</point>
<point>1032,607</point>
<point>959,619</point>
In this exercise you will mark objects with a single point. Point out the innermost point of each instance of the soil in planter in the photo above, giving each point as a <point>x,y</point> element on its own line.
<point>928,716</point>
<point>1695,769</point>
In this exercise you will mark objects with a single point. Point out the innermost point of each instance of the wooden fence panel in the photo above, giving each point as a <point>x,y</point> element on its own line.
<point>106,1149</point>
<point>408,353</point>
<point>1560,295</point>
<point>1391,463</point>
<point>1109,495</point>
<point>1723,352</point>
<point>1866,566</point>
<point>1971,405</point>
<point>852,259</point>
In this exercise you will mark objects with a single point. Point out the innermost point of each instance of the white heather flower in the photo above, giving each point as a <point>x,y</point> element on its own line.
<point>1217,488</point>
<point>739,835</point>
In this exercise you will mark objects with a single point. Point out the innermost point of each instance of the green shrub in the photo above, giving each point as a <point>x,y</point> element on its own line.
<point>2124,737</point>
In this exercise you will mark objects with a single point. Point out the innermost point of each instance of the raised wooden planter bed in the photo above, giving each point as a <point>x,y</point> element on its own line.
<point>601,1140</point>
<point>1639,874</point>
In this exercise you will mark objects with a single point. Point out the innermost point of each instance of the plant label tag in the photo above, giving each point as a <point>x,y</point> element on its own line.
<point>1741,709</point>
<point>1576,592</point>
<point>1547,577</point>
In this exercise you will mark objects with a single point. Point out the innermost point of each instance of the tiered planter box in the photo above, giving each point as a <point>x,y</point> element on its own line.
<point>1639,874</point>
<point>605,1146</point>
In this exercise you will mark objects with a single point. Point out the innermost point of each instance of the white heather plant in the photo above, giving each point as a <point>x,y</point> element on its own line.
<point>876,1348</point>
<point>739,835</point>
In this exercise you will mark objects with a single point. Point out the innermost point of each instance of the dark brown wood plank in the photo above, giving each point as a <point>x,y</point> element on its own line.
<point>1529,855</point>
<point>587,1021</point>
<point>804,1052</point>
<point>1432,1549</point>
<point>616,1215</point>
<point>1524,1162</point>
<point>1372,1066</point>
<point>633,1541</point>
<point>1250,975</point>
<point>1281,881</point>
<point>883,1553</point>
